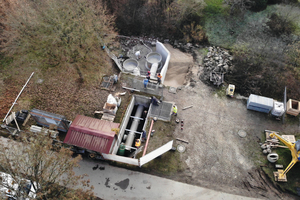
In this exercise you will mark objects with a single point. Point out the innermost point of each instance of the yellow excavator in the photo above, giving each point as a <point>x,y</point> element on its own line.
<point>295,151</point>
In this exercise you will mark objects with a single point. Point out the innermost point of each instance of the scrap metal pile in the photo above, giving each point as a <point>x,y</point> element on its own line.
<point>270,143</point>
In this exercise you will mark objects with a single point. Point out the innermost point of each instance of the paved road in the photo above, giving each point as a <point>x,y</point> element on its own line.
<point>117,183</point>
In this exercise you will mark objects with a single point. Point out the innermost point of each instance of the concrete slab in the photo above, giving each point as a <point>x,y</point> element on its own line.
<point>116,183</point>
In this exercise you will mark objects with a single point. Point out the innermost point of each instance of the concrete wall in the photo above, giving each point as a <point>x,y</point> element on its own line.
<point>136,99</point>
<point>123,125</point>
<point>160,48</point>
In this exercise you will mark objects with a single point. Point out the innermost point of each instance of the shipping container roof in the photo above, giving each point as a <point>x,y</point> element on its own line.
<point>94,126</point>
<point>92,134</point>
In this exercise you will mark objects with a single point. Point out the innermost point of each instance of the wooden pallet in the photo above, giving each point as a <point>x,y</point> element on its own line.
<point>290,138</point>
<point>284,179</point>
<point>108,83</point>
<point>108,117</point>
<point>268,132</point>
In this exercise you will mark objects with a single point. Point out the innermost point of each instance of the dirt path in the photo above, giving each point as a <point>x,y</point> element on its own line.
<point>216,156</point>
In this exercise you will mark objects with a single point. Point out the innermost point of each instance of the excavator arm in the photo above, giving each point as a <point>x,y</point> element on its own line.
<point>287,143</point>
<point>294,152</point>
<point>281,173</point>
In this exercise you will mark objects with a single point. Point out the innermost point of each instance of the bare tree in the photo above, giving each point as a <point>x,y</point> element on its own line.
<point>50,33</point>
<point>50,169</point>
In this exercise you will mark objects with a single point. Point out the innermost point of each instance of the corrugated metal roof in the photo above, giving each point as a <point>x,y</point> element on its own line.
<point>45,113</point>
<point>255,99</point>
<point>90,133</point>
<point>45,118</point>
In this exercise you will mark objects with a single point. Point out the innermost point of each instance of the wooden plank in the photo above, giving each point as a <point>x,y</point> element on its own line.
<point>268,134</point>
<point>187,107</point>
<point>108,117</point>
<point>131,89</point>
<point>273,141</point>
<point>279,146</point>
<point>26,120</point>
<point>182,140</point>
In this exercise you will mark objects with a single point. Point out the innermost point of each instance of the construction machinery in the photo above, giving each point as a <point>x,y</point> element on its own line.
<point>230,90</point>
<point>295,152</point>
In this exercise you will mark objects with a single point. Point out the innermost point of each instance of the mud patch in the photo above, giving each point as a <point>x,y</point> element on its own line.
<point>123,184</point>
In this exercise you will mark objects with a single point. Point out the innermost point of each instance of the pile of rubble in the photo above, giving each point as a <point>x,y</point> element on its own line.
<point>272,143</point>
<point>269,144</point>
<point>217,62</point>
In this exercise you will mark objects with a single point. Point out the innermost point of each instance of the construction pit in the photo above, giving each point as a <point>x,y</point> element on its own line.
<point>214,155</point>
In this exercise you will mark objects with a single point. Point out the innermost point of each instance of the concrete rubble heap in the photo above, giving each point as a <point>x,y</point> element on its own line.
<point>216,60</point>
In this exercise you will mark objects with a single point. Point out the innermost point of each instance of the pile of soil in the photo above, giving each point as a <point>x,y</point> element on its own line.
<point>178,67</point>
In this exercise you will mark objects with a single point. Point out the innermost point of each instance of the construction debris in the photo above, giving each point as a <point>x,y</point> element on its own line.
<point>272,157</point>
<point>108,82</point>
<point>182,140</point>
<point>216,63</point>
<point>217,78</point>
<point>276,176</point>
<point>187,107</point>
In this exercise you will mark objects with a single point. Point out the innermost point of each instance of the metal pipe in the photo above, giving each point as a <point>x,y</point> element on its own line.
<point>18,96</point>
<point>131,89</point>
<point>133,127</point>
<point>146,145</point>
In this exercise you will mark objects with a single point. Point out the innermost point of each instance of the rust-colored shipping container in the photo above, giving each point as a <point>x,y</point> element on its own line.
<point>92,134</point>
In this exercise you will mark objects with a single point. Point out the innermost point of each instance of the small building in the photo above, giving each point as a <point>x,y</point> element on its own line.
<point>91,134</point>
<point>46,119</point>
<point>259,103</point>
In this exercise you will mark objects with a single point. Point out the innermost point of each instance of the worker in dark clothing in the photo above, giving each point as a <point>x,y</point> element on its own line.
<point>155,101</point>
<point>144,135</point>
<point>159,78</point>
<point>144,114</point>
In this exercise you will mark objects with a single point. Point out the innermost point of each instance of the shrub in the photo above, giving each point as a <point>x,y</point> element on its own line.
<point>214,7</point>
<point>258,5</point>
<point>280,25</point>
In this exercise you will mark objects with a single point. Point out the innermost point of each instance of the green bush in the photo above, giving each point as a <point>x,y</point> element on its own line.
<point>214,7</point>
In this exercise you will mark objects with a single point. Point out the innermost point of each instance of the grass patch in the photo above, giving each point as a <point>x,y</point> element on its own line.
<point>169,163</point>
<point>214,7</point>
<point>220,91</point>
<point>292,120</point>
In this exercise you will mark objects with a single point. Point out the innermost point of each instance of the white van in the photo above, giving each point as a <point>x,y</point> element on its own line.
<point>13,189</point>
